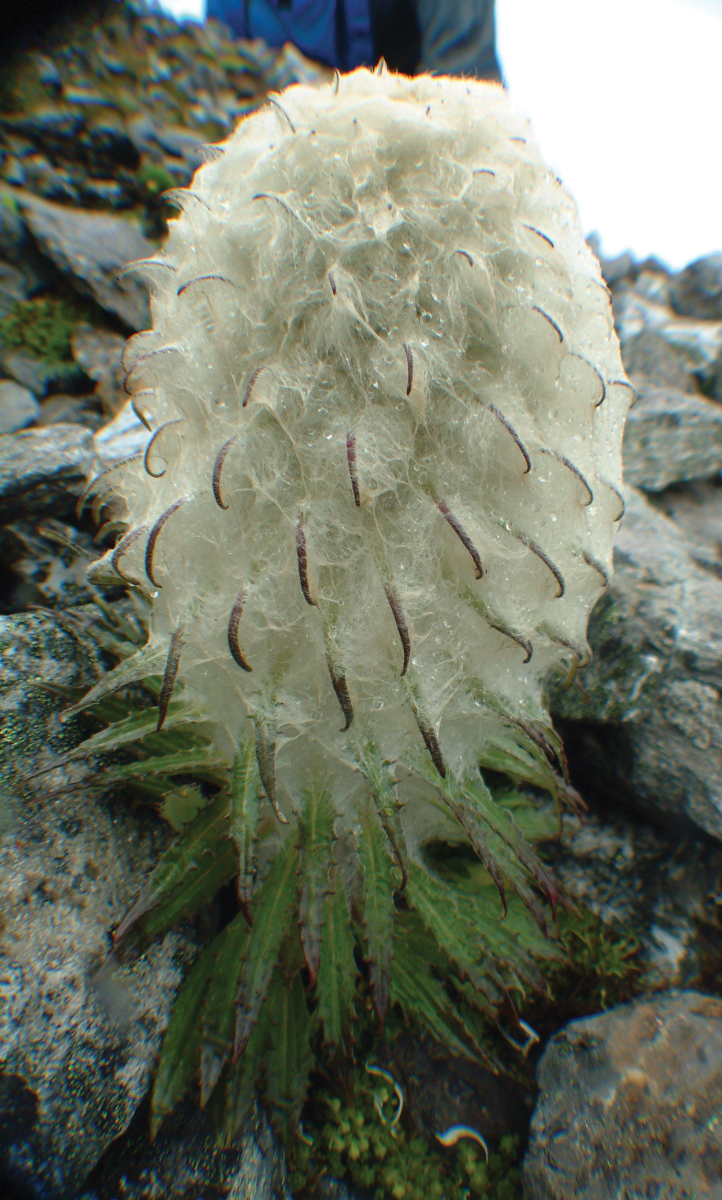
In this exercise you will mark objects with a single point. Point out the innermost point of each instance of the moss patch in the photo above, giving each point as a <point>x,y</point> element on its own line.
<point>42,327</point>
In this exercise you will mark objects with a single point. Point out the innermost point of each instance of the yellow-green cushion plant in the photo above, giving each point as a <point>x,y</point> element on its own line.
<point>385,407</point>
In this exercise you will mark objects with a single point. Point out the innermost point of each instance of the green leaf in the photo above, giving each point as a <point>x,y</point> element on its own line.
<point>316,838</point>
<point>422,996</point>
<point>145,662</point>
<point>186,861</point>
<point>214,870</point>
<point>378,905</point>
<point>218,1012</point>
<point>384,796</point>
<point>180,1051</point>
<point>272,915</point>
<point>288,1058</point>
<point>132,729</point>
<point>203,761</point>
<point>337,976</point>
<point>460,939</point>
<point>245,799</point>
<point>232,1099</point>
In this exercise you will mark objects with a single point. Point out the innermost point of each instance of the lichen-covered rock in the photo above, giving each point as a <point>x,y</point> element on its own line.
<point>78,1033</point>
<point>629,1105</point>
<point>42,471</point>
<point>185,1162</point>
<point>646,711</point>
<point>697,290</point>
<point>92,248</point>
<point>670,437</point>
<point>646,883</point>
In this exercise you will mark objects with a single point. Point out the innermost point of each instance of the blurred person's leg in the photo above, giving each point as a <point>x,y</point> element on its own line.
<point>335,32</point>
<point>458,37</point>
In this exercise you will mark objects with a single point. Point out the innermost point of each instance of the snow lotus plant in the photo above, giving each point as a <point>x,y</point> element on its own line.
<point>385,406</point>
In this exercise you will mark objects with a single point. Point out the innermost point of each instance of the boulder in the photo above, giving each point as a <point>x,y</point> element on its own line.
<point>92,248</point>
<point>642,721</point>
<point>630,1104</point>
<point>671,437</point>
<point>40,376</point>
<point>186,1163</point>
<point>79,1033</point>
<point>697,290</point>
<point>18,407</point>
<point>42,471</point>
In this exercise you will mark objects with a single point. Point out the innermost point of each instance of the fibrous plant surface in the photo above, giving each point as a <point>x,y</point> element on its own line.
<point>385,406</point>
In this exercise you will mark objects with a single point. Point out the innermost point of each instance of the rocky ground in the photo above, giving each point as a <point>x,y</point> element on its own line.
<point>96,123</point>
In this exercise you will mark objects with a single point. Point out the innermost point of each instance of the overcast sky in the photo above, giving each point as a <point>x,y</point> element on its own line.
<point>625,97</point>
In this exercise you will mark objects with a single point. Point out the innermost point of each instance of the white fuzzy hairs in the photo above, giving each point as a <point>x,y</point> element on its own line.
<point>386,404</point>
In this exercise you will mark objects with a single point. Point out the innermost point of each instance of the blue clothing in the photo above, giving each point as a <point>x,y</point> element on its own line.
<point>450,37</point>
<point>335,32</point>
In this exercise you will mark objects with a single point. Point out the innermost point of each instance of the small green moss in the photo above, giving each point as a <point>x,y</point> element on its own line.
<point>355,1141</point>
<point>42,327</point>
<point>154,179</point>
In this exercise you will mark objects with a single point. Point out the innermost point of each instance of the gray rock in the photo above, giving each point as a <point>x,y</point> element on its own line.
<point>630,1105</point>
<point>13,288</point>
<point>186,1163</point>
<point>651,362</point>
<point>697,291</point>
<point>92,248</point>
<point>645,714</point>
<point>96,350</point>
<point>79,1033</point>
<point>40,376</point>
<point>74,410</point>
<point>42,471</point>
<point>696,509</point>
<point>18,407</point>
<point>695,343</point>
<point>670,437</point>
<point>646,883</point>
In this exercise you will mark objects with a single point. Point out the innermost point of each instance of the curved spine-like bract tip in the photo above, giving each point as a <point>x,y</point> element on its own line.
<point>140,264</point>
<point>430,741</point>
<point>550,320</point>
<point>351,459</point>
<point>302,556</point>
<point>575,471</point>
<point>218,467</point>
<point>88,489</point>
<point>409,369</point>
<point>233,623</point>
<point>170,675</point>
<point>541,554</point>
<point>402,627</point>
<point>151,443</point>
<point>205,279</point>
<point>462,536</point>
<point>340,687</point>
<point>144,358</point>
<point>538,232</point>
<point>153,538</point>
<point>266,759</point>
<point>512,431</point>
<point>282,111</point>
<point>249,386</point>
<point>122,548</point>
<point>596,566</point>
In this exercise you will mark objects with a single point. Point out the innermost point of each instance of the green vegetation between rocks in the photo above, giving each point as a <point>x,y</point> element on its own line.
<point>42,327</point>
<point>308,1048</point>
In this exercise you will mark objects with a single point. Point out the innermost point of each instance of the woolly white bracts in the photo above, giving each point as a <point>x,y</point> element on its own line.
<point>386,403</point>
